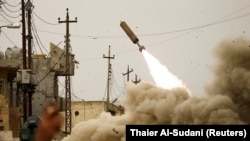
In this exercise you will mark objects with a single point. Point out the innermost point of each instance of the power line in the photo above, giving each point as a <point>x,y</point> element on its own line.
<point>115,85</point>
<point>11,4</point>
<point>44,20</point>
<point>10,16</point>
<point>197,27</point>
<point>3,20</point>
<point>37,36</point>
<point>189,30</point>
<point>6,19</point>
<point>77,98</point>
<point>13,11</point>
<point>160,33</point>
<point>8,38</point>
<point>175,37</point>
<point>60,58</point>
<point>36,39</point>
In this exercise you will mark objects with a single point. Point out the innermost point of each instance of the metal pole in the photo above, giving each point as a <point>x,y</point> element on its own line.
<point>108,79</point>
<point>67,77</point>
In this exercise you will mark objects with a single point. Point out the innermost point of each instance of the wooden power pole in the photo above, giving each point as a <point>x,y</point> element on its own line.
<point>67,76</point>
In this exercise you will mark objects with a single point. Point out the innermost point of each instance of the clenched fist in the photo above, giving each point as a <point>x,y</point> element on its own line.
<point>50,123</point>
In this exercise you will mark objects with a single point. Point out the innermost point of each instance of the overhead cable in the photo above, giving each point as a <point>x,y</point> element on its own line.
<point>16,5</point>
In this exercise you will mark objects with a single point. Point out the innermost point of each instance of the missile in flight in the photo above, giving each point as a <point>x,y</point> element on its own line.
<point>131,35</point>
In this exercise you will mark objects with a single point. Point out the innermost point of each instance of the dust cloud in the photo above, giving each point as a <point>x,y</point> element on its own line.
<point>227,100</point>
<point>232,74</point>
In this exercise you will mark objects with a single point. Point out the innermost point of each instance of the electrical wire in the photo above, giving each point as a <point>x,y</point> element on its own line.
<point>51,69</point>
<point>44,20</point>
<point>116,92</point>
<point>60,83</point>
<point>8,38</point>
<point>6,19</point>
<point>221,20</point>
<point>55,33</point>
<point>76,97</point>
<point>37,37</point>
<point>197,27</point>
<point>188,29</point>
<point>160,33</point>
<point>13,11</point>
<point>117,86</point>
<point>105,91</point>
<point>180,30</point>
<point>3,20</point>
<point>37,41</point>
<point>112,87</point>
<point>11,4</point>
<point>172,38</point>
<point>34,48</point>
<point>72,92</point>
<point>10,16</point>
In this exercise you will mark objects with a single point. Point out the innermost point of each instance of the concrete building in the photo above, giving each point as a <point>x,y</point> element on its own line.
<point>85,110</point>
<point>45,71</point>
<point>9,109</point>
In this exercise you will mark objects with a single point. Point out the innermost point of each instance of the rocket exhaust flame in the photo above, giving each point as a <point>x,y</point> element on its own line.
<point>161,75</point>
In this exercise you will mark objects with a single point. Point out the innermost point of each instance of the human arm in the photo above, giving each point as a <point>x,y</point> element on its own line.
<point>50,123</point>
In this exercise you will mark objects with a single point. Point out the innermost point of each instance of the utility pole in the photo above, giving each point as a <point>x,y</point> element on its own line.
<point>24,60</point>
<point>67,76</point>
<point>29,36</point>
<point>27,88</point>
<point>136,80</point>
<point>127,73</point>
<point>108,79</point>
<point>29,7</point>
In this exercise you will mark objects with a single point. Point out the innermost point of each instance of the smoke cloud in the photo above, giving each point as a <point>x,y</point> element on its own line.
<point>232,74</point>
<point>227,100</point>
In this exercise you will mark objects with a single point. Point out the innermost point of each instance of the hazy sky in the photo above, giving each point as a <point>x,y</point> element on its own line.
<point>181,34</point>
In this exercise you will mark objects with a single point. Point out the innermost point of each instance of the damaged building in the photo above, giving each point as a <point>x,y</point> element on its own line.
<point>43,75</point>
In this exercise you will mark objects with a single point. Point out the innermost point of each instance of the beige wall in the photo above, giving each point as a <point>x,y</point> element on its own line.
<point>14,121</point>
<point>4,113</point>
<point>85,110</point>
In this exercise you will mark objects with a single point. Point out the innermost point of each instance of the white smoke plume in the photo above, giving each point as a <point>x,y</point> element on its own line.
<point>227,100</point>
